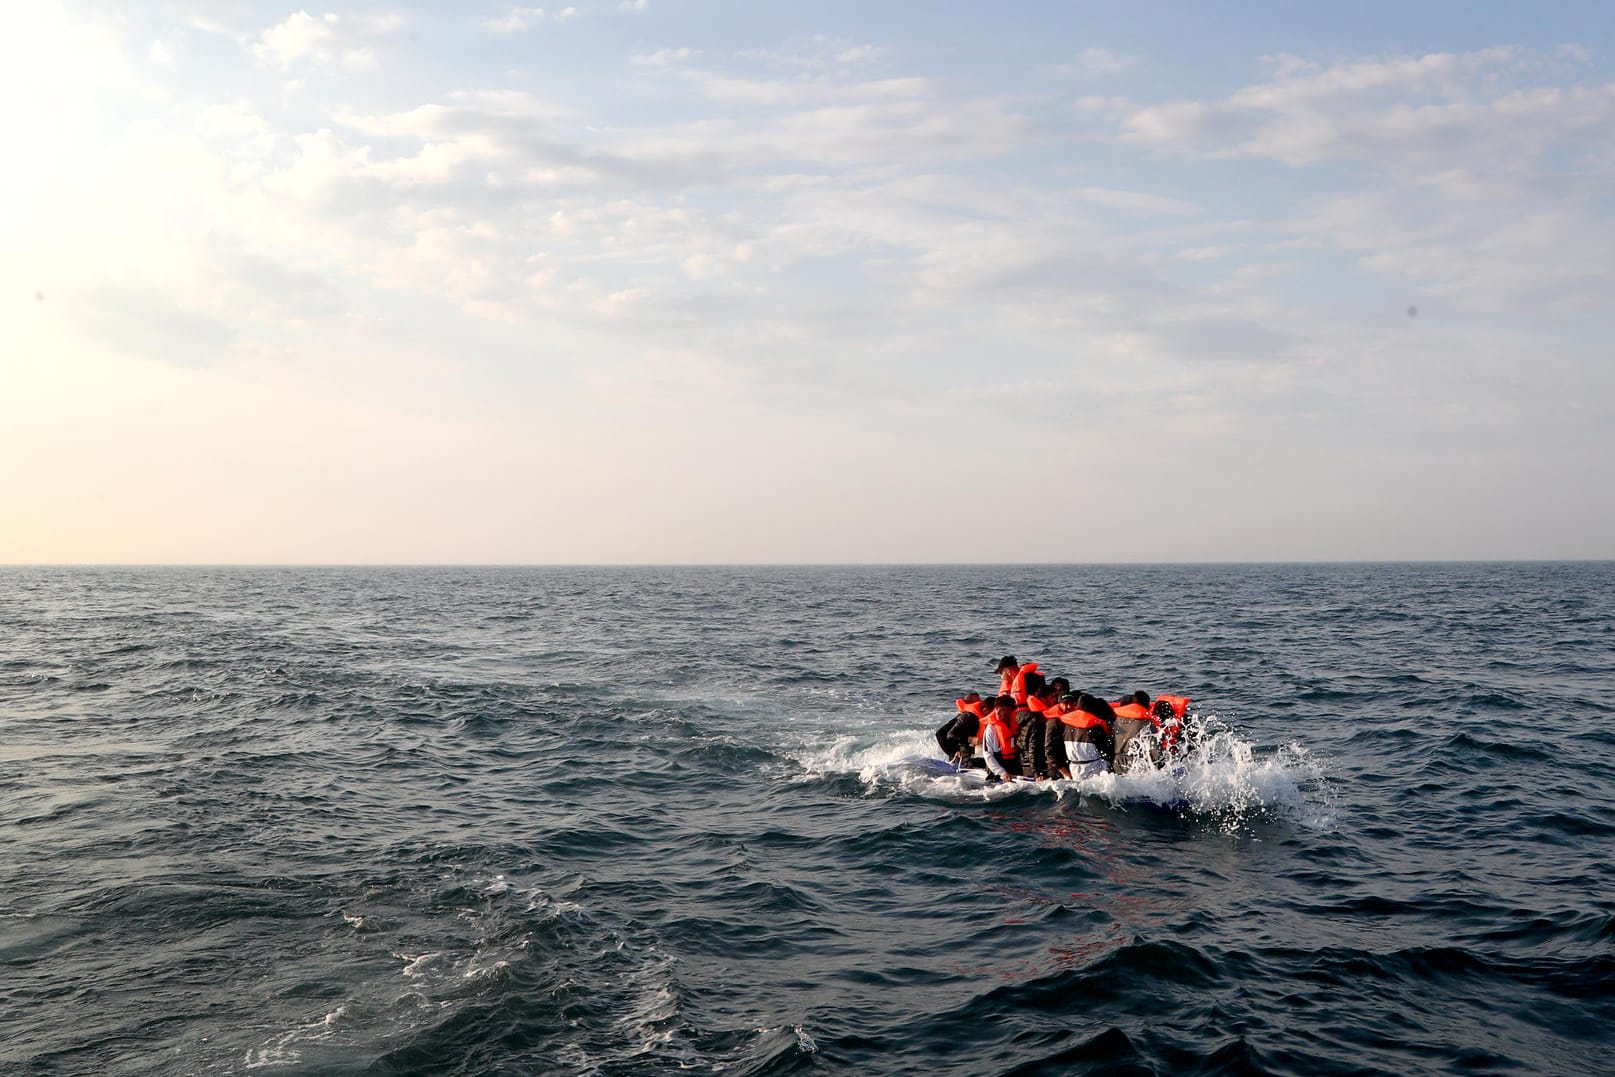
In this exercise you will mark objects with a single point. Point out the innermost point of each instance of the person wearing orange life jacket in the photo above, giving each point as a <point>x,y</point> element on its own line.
<point>1156,729</point>
<point>1034,717</point>
<point>1042,698</point>
<point>1012,677</point>
<point>1170,711</point>
<point>1054,757</point>
<point>1080,743</point>
<point>998,741</point>
<point>1135,718</point>
<point>1045,704</point>
<point>958,734</point>
<point>1029,738</point>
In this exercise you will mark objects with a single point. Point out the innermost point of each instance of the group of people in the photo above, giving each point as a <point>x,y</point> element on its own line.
<point>1037,729</point>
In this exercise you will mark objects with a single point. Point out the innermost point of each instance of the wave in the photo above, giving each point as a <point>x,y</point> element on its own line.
<point>1223,777</point>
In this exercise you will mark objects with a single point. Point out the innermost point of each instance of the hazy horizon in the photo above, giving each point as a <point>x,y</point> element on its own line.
<point>797,564</point>
<point>656,283</point>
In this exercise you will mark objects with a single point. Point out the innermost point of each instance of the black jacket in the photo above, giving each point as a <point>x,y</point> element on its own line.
<point>1029,744</point>
<point>954,735</point>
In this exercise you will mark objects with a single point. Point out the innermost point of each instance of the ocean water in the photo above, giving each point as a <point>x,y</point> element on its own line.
<point>688,820</point>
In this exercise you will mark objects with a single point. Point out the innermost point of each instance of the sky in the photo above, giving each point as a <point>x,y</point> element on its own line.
<point>664,282</point>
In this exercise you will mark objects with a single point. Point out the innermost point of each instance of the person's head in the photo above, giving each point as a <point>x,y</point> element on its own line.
<point>1141,698</point>
<point>1033,682</point>
<point>1071,699</point>
<point>1096,707</point>
<point>1005,702</point>
<point>972,697</point>
<point>1059,686</point>
<point>1008,662</point>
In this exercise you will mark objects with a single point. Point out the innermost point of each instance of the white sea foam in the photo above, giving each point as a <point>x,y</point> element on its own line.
<point>283,1050</point>
<point>419,964</point>
<point>1222,775</point>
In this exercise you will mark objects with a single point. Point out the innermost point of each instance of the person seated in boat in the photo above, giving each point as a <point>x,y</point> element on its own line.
<point>1045,696</point>
<point>1171,711</point>
<point>957,736</point>
<point>1012,677</point>
<point>998,741</point>
<point>1137,733</point>
<point>1080,744</point>
<point>1029,746</point>
<point>1148,731</point>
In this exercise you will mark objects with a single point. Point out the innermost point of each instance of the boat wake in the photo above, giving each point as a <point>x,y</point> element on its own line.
<point>1221,777</point>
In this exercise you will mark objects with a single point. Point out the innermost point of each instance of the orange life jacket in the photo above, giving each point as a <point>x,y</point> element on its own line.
<point>1006,733</point>
<point>1133,710</point>
<point>1080,719</point>
<point>1013,681</point>
<point>1173,729</point>
<point>1179,704</point>
<point>1037,706</point>
<point>977,708</point>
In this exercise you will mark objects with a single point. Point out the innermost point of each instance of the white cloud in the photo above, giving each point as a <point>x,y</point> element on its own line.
<point>1473,247</point>
<point>795,92</point>
<point>516,20</point>
<point>1100,63</point>
<point>233,121</point>
<point>662,57</point>
<point>1415,112</point>
<point>1137,202</point>
<point>301,37</point>
<point>1485,188</point>
<point>382,23</point>
<point>910,132</point>
<point>359,60</point>
<point>821,54</point>
<point>303,40</point>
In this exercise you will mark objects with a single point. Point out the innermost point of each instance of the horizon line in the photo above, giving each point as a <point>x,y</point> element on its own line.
<point>809,564</point>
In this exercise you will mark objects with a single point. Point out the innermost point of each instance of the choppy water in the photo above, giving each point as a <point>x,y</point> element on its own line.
<point>622,821</point>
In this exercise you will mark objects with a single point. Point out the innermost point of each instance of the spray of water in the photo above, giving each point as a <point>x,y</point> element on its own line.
<point>1218,776</point>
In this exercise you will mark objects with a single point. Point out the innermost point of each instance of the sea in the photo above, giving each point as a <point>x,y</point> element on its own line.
<point>694,820</point>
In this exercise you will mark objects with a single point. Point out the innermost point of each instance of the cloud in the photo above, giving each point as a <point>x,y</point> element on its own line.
<point>821,53</point>
<point>327,40</point>
<point>662,57</point>
<point>1412,112</point>
<point>1482,187</point>
<point>1472,246</point>
<point>1099,63</point>
<point>797,92</point>
<point>1137,202</point>
<point>502,143</point>
<point>516,20</point>
<point>302,36</point>
<point>380,24</point>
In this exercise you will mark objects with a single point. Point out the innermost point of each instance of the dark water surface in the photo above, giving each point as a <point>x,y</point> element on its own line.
<point>622,821</point>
